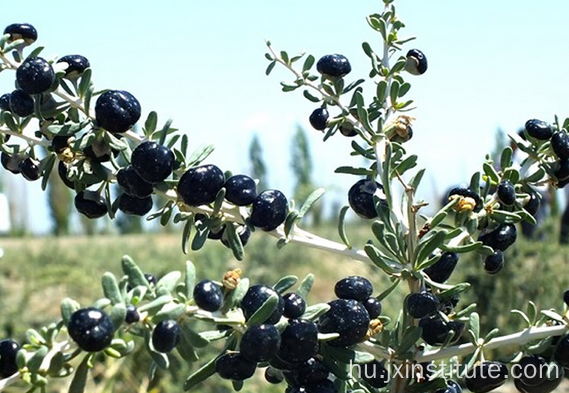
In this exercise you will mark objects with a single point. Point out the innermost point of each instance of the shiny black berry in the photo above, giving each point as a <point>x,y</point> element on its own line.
<point>260,343</point>
<point>299,341</point>
<point>486,376</point>
<point>132,315</point>
<point>208,296</point>
<point>360,197</point>
<point>333,66</point>
<point>294,305</point>
<point>21,103</point>
<point>242,231</point>
<point>90,204</point>
<point>561,354</point>
<point>452,387</point>
<point>532,203</point>
<point>421,304</point>
<point>153,162</point>
<point>234,366</point>
<point>91,329</point>
<point>566,297</point>
<point>348,318</point>
<point>24,31</point>
<point>416,62</point>
<point>135,206</point>
<point>240,190</point>
<point>373,307</point>
<point>539,129</point>
<point>117,111</point>
<point>255,297</point>
<point>441,270</point>
<point>11,162</point>
<point>273,375</point>
<point>166,335</point>
<point>436,330</point>
<point>35,75</point>
<point>62,172</point>
<point>494,263</point>
<point>77,64</point>
<point>554,377</point>
<point>199,185</point>
<point>5,102</point>
<point>466,193</point>
<point>30,169</point>
<point>353,287</point>
<point>150,279</point>
<point>561,172</point>
<point>311,372</point>
<point>319,119</point>
<point>269,210</point>
<point>326,386</point>
<point>375,374</point>
<point>506,193</point>
<point>500,238</point>
<point>560,144</point>
<point>133,184</point>
<point>8,351</point>
<point>531,370</point>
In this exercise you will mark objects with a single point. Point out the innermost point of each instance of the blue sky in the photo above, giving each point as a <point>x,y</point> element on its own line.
<point>491,64</point>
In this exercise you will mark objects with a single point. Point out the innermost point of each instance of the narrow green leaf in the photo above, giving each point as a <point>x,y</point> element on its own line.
<point>350,356</point>
<point>234,241</point>
<point>381,91</point>
<point>375,255</point>
<point>416,180</point>
<point>308,63</point>
<point>150,123</point>
<point>85,82</point>
<point>405,165</point>
<point>386,292</point>
<point>117,314</point>
<point>194,338</point>
<point>404,89</point>
<point>394,92</point>
<point>68,306</point>
<point>284,57</point>
<point>79,381</point>
<point>305,286</point>
<point>135,275</point>
<point>313,197</point>
<point>169,281</point>
<point>310,97</point>
<point>342,227</point>
<point>156,303</point>
<point>285,283</point>
<point>46,167</point>
<point>459,249</point>
<point>506,157</point>
<point>429,243</point>
<point>314,311</point>
<point>553,315</point>
<point>34,363</point>
<point>532,312</point>
<point>265,311</point>
<point>354,171</point>
<point>203,373</point>
<point>474,324</point>
<point>186,235</point>
<point>536,176</point>
<point>199,155</point>
<point>270,67</point>
<point>490,171</point>
<point>165,131</point>
<point>410,337</point>
<point>111,288</point>
<point>234,297</point>
<point>189,279</point>
<point>523,315</point>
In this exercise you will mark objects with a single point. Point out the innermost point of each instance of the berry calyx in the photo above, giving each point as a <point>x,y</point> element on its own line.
<point>468,199</point>
<point>21,103</point>
<point>373,307</point>
<point>442,269</point>
<point>260,343</point>
<point>132,183</point>
<point>269,210</point>
<point>91,328</point>
<point>200,185</point>
<point>319,119</point>
<point>76,65</point>
<point>8,351</point>
<point>299,341</point>
<point>353,287</point>
<point>30,169</point>
<point>500,238</point>
<point>152,162</point>
<point>135,206</point>
<point>90,204</point>
<point>294,305</point>
<point>494,263</point>
<point>240,190</point>
<point>208,296</point>
<point>506,193</point>
<point>234,366</point>
<point>486,376</point>
<point>117,111</point>
<point>35,75</point>
<point>255,297</point>
<point>24,31</point>
<point>416,62</point>
<point>422,304</point>
<point>166,335</point>
<point>348,318</point>
<point>333,66</point>
<point>538,129</point>
<point>360,197</point>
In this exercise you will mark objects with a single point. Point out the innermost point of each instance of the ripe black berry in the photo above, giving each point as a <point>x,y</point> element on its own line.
<point>135,206</point>
<point>299,341</point>
<point>77,64</point>
<point>561,354</point>
<point>117,111</point>
<point>486,376</point>
<point>494,263</point>
<point>166,335</point>
<point>471,200</point>
<point>294,305</point>
<point>560,144</point>
<point>133,184</point>
<point>242,231</point>
<point>533,203</point>
<point>436,330</point>
<point>200,185</point>
<point>5,102</point>
<point>360,197</point>
<point>91,204</point>
<point>334,66</point>
<point>151,279</point>
<point>421,304</point>
<point>562,173</point>
<point>506,193</point>
<point>91,329</point>
<point>62,172</point>
<point>260,343</point>
<point>30,169</point>
<point>373,307</point>
<point>319,119</point>
<point>500,238</point>
<point>35,75</point>
<point>269,210</point>
<point>21,103</point>
<point>208,296</point>
<point>348,318</point>
<point>311,372</point>
<point>255,297</point>
<point>554,378</point>
<point>441,270</point>
<point>132,315</point>
<point>24,31</point>
<point>452,387</point>
<point>538,129</point>
<point>235,367</point>
<point>566,297</point>
<point>353,287</point>
<point>153,162</point>
<point>8,351</point>
<point>531,370</point>
<point>99,152</point>
<point>273,375</point>
<point>11,162</point>
<point>416,63</point>
<point>375,374</point>
<point>240,190</point>
<point>347,129</point>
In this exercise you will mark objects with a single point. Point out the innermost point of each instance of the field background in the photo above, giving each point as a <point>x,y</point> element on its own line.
<point>36,273</point>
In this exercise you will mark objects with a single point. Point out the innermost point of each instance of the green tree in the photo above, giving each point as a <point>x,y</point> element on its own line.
<point>258,167</point>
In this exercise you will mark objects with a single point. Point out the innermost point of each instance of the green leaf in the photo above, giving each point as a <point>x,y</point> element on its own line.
<point>315,311</point>
<point>186,235</point>
<point>150,123</point>
<point>203,373</point>
<point>284,57</point>
<point>403,89</point>
<point>536,176</point>
<point>68,306</point>
<point>165,131</point>
<point>111,288</point>
<point>474,324</point>
<point>363,115</point>
<point>135,275</point>
<point>199,155</point>
<point>410,337</point>
<point>416,180</point>
<point>194,338</point>
<point>313,197</point>
<point>394,92</point>
<point>553,315</point>
<point>85,82</point>
<point>265,311</point>
<point>10,122</point>
<point>350,356</point>
<point>234,241</point>
<point>342,227</point>
<point>505,216</point>
<point>46,167</point>
<point>34,363</point>
<point>506,157</point>
<point>459,249</point>
<point>353,85</point>
<point>310,97</point>
<point>156,303</point>
<point>308,63</point>
<point>532,312</point>
<point>490,171</point>
<point>375,255</point>
<point>405,165</point>
<point>285,283</point>
<point>186,351</point>
<point>429,243</point>
<point>381,91</point>
<point>79,381</point>
<point>169,281</point>
<point>354,171</point>
<point>117,315</point>
<point>386,292</point>
<point>305,286</point>
<point>270,67</point>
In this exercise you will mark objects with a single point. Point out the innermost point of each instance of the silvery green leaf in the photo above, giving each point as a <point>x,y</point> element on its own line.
<point>203,373</point>
<point>79,381</point>
<point>305,286</point>
<point>111,288</point>
<point>285,283</point>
